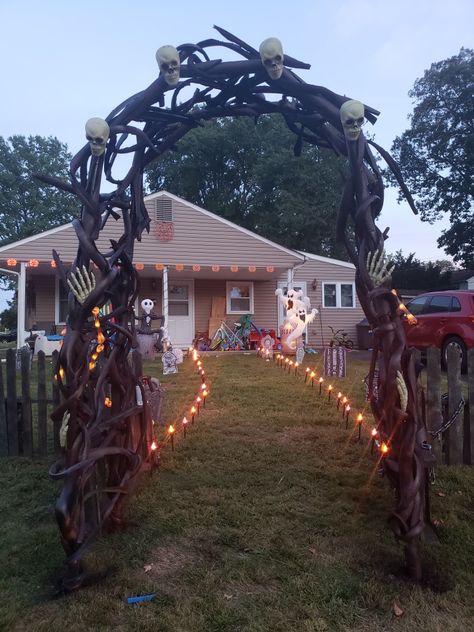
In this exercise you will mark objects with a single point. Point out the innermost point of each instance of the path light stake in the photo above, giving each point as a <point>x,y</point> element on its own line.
<point>321,380</point>
<point>344,402</point>
<point>193,413</point>
<point>198,402</point>
<point>329,392</point>
<point>348,410</point>
<point>171,431</point>
<point>185,423</point>
<point>306,373</point>
<point>205,393</point>
<point>312,375</point>
<point>339,396</point>
<point>373,435</point>
<point>296,368</point>
<point>290,365</point>
<point>359,424</point>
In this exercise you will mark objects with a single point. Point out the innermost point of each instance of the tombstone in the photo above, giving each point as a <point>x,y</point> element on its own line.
<point>169,363</point>
<point>335,361</point>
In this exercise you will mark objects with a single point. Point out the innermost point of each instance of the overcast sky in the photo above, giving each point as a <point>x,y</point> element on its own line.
<point>63,62</point>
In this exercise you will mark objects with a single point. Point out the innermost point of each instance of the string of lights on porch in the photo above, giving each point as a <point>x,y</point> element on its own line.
<point>292,367</point>
<point>179,267</point>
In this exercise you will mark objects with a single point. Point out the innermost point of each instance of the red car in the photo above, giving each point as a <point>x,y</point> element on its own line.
<point>444,319</point>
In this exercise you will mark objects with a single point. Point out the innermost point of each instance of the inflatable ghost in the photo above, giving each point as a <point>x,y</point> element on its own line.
<point>301,320</point>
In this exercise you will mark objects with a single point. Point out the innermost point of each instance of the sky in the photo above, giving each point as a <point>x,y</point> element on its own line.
<point>64,62</point>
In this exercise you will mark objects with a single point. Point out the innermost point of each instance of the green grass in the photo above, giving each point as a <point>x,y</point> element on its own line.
<point>265,518</point>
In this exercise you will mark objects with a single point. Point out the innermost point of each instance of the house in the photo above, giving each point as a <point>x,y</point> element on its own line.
<point>190,261</point>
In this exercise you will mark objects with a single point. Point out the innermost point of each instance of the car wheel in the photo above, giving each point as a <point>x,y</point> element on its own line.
<point>458,344</point>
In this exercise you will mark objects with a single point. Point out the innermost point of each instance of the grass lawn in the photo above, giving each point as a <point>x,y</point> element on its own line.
<point>266,518</point>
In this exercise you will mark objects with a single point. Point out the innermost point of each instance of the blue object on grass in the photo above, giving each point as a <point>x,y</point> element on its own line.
<point>141,598</point>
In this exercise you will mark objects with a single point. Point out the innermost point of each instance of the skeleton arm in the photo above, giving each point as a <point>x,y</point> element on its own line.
<point>64,429</point>
<point>378,267</point>
<point>402,391</point>
<point>82,284</point>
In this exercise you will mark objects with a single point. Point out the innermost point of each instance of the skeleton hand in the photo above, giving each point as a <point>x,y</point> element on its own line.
<point>63,430</point>
<point>82,284</point>
<point>378,267</point>
<point>402,391</point>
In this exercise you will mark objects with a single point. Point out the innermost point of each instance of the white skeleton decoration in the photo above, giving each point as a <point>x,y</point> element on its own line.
<point>352,118</point>
<point>64,429</point>
<point>379,267</point>
<point>168,62</point>
<point>97,133</point>
<point>82,282</point>
<point>147,305</point>
<point>271,54</point>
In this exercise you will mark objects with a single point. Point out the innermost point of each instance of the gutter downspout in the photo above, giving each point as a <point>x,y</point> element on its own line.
<point>21,303</point>
<point>165,308</point>
<point>291,272</point>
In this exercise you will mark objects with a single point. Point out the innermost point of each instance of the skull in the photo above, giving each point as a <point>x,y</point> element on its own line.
<point>168,61</point>
<point>352,118</point>
<point>147,305</point>
<point>271,54</point>
<point>97,133</point>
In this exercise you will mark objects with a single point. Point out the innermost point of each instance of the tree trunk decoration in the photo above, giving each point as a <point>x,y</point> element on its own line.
<point>106,426</point>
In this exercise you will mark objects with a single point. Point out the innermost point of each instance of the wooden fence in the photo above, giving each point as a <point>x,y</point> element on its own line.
<point>29,392</point>
<point>450,407</point>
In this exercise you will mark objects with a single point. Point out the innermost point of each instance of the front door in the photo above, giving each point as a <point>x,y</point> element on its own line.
<point>181,313</point>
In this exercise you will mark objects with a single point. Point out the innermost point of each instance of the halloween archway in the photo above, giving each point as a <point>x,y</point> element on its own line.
<point>106,426</point>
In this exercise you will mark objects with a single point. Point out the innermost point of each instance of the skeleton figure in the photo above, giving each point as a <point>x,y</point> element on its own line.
<point>271,54</point>
<point>64,429</point>
<point>97,133</point>
<point>168,61</point>
<point>147,305</point>
<point>352,118</point>
<point>82,283</point>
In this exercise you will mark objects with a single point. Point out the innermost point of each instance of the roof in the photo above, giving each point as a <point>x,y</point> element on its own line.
<point>336,262</point>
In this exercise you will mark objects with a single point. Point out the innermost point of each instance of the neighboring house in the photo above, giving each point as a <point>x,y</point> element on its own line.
<point>461,280</point>
<point>189,261</point>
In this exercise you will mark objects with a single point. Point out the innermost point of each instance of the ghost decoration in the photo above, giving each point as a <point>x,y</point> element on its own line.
<point>302,320</point>
<point>271,54</point>
<point>169,64</point>
<point>97,133</point>
<point>298,315</point>
<point>352,118</point>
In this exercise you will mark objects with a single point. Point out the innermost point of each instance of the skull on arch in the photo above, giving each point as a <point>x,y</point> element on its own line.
<point>352,118</point>
<point>97,133</point>
<point>271,54</point>
<point>168,61</point>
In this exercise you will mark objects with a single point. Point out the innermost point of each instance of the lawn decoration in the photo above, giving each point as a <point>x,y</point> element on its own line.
<point>169,362</point>
<point>109,434</point>
<point>150,341</point>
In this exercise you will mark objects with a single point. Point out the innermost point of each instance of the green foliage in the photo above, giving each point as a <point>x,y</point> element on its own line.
<point>436,154</point>
<point>411,273</point>
<point>28,206</point>
<point>247,172</point>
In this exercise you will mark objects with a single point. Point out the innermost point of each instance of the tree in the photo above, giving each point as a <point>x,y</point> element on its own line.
<point>246,171</point>
<point>413,274</point>
<point>28,206</point>
<point>436,154</point>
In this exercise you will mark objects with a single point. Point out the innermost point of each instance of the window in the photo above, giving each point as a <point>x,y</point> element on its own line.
<point>239,297</point>
<point>338,295</point>
<point>439,304</point>
<point>61,302</point>
<point>178,300</point>
<point>416,306</point>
